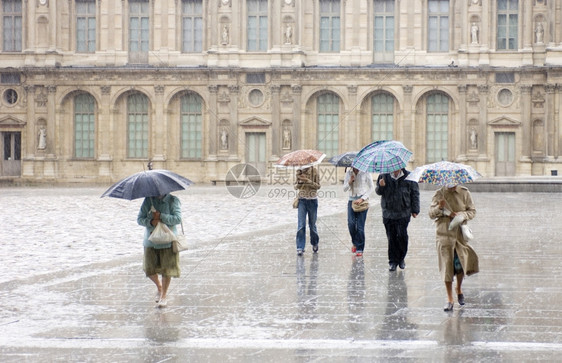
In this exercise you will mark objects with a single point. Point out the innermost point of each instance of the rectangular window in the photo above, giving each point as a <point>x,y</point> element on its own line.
<point>437,132</point>
<point>257,25</point>
<point>192,26</point>
<point>328,113</point>
<point>84,124</point>
<point>11,25</point>
<point>329,25</point>
<point>505,77</point>
<point>85,26</point>
<point>382,117</point>
<point>507,24</point>
<point>10,78</point>
<point>137,126</point>
<point>383,33</point>
<point>138,31</point>
<point>191,126</point>
<point>438,25</point>
<point>257,78</point>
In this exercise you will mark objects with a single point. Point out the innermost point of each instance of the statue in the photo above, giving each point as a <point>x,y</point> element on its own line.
<point>474,33</point>
<point>42,142</point>
<point>286,138</point>
<point>289,34</point>
<point>473,139</point>
<point>224,36</point>
<point>539,33</point>
<point>224,139</point>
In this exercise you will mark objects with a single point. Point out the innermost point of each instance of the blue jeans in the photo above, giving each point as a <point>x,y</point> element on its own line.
<point>356,226</point>
<point>310,207</point>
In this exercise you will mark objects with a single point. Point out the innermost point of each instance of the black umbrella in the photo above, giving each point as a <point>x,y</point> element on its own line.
<point>345,159</point>
<point>149,183</point>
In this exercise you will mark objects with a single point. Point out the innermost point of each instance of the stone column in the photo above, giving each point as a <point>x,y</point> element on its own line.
<point>105,126</point>
<point>483,125</point>
<point>350,129</point>
<point>549,122</point>
<point>297,113</point>
<point>159,126</point>
<point>52,137</point>
<point>233,142</point>
<point>30,143</point>
<point>462,148</point>
<point>213,120</point>
<point>409,130</point>
<point>275,122</point>
<point>526,122</point>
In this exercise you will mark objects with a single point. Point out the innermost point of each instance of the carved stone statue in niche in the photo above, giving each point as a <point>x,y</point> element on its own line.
<point>474,33</point>
<point>539,33</point>
<point>288,34</point>
<point>473,139</point>
<point>42,138</point>
<point>287,138</point>
<point>224,139</point>
<point>225,35</point>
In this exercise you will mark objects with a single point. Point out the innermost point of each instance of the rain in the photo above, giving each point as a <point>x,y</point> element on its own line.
<point>73,288</point>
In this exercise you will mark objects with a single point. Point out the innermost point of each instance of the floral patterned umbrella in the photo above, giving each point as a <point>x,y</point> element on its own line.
<point>301,159</point>
<point>444,173</point>
<point>382,156</point>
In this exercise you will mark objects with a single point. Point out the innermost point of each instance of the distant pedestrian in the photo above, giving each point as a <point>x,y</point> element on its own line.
<point>360,185</point>
<point>455,256</point>
<point>307,183</point>
<point>400,200</point>
<point>160,259</point>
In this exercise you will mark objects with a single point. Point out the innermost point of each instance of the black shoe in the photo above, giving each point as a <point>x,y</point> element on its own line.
<point>315,248</point>
<point>300,252</point>
<point>392,267</point>
<point>448,307</point>
<point>461,299</point>
<point>402,265</point>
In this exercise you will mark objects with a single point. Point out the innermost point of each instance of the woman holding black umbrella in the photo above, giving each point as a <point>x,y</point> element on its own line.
<point>160,259</point>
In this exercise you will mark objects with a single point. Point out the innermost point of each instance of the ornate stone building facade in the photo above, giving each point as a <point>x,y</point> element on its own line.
<point>91,90</point>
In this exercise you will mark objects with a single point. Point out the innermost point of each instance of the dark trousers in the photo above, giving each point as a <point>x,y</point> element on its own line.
<point>397,235</point>
<point>356,226</point>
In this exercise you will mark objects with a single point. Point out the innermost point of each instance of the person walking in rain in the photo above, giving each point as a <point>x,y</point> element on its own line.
<point>455,256</point>
<point>400,200</point>
<point>160,259</point>
<point>360,185</point>
<point>307,183</point>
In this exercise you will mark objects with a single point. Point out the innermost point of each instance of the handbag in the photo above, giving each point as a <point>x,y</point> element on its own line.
<point>180,242</point>
<point>161,234</point>
<point>363,206</point>
<point>466,232</point>
<point>296,202</point>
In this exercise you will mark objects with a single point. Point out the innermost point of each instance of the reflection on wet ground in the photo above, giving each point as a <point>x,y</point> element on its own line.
<point>250,298</point>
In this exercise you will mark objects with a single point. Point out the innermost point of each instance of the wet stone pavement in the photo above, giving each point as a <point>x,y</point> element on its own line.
<point>249,298</point>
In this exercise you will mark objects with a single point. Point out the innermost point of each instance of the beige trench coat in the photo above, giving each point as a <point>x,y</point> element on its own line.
<point>459,201</point>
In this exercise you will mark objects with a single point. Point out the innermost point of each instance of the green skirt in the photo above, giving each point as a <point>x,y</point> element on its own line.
<point>161,261</point>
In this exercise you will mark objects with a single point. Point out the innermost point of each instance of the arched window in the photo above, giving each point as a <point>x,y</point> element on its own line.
<point>382,117</point>
<point>137,126</point>
<point>84,126</point>
<point>328,116</point>
<point>437,129</point>
<point>191,119</point>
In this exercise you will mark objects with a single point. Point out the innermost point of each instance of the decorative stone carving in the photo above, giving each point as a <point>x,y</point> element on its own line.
<point>42,138</point>
<point>225,35</point>
<point>539,33</point>
<point>41,99</point>
<point>224,138</point>
<point>474,33</point>
<point>287,138</point>
<point>473,137</point>
<point>288,34</point>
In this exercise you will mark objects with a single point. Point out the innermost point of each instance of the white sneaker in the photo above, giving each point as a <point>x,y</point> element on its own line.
<point>162,303</point>
<point>157,297</point>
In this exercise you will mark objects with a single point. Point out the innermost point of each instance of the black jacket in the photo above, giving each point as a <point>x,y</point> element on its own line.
<point>399,198</point>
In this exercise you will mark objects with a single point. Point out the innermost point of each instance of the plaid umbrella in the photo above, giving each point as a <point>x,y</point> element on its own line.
<point>444,173</point>
<point>382,156</point>
<point>301,159</point>
<point>345,159</point>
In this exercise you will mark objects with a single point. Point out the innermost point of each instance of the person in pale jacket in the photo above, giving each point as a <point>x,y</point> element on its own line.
<point>360,185</point>
<point>455,256</point>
